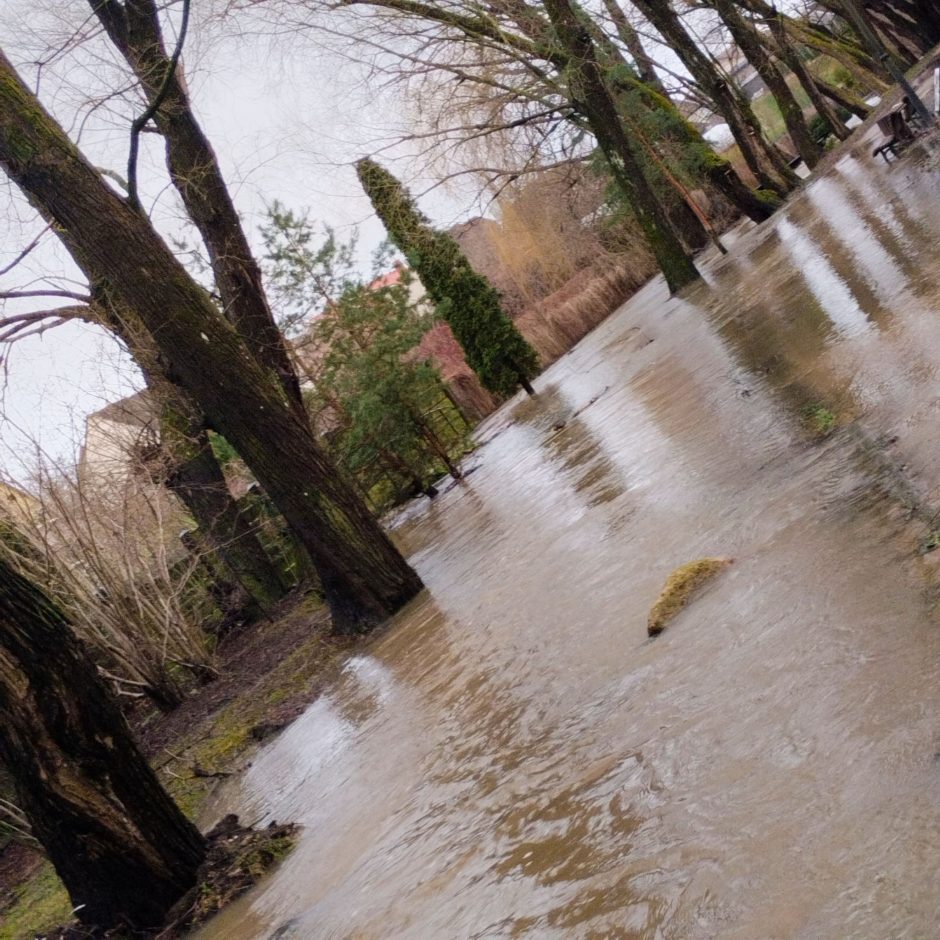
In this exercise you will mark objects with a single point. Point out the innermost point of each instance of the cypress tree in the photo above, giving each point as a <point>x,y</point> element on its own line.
<point>494,348</point>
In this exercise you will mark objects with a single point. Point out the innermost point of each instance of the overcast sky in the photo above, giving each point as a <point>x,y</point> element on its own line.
<point>286,117</point>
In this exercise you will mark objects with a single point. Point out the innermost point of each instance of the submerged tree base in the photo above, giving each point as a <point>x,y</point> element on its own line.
<point>236,858</point>
<point>679,589</point>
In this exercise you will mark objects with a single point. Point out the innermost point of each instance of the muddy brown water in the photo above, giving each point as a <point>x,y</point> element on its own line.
<point>514,758</point>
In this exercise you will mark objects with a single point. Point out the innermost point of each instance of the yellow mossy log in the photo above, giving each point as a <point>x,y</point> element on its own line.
<point>679,588</point>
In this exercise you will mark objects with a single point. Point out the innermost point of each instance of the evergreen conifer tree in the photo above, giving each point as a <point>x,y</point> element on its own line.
<point>494,348</point>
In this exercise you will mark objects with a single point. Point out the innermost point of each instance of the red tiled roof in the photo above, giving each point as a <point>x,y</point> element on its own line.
<point>386,280</point>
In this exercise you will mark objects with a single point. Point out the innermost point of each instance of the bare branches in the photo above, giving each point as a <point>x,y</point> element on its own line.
<point>18,326</point>
<point>103,539</point>
<point>20,294</point>
<point>140,122</point>
<point>23,254</point>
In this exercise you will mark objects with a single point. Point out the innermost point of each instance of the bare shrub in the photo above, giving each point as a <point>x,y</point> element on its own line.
<point>109,552</point>
<point>554,324</point>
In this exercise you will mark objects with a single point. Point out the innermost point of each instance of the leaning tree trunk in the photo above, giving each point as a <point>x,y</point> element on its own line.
<point>197,479</point>
<point>789,36</point>
<point>847,52</point>
<point>627,34</point>
<point>907,39</point>
<point>790,56</point>
<point>191,470</point>
<point>713,168</point>
<point>749,42</point>
<point>589,91</point>
<point>134,28</point>
<point>844,99</point>
<point>363,576</point>
<point>762,157</point>
<point>710,165</point>
<point>121,846</point>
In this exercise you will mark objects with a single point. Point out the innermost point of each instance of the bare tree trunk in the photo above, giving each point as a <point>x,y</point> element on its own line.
<point>686,217</point>
<point>588,89</point>
<point>192,471</point>
<point>199,482</point>
<point>364,578</point>
<point>134,28</point>
<point>791,58</point>
<point>905,37</point>
<point>790,34</point>
<point>121,846</point>
<point>749,42</point>
<point>848,52</point>
<point>763,159</point>
<point>645,68</point>
<point>844,99</point>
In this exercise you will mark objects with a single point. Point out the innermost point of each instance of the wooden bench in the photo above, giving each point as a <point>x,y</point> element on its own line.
<point>898,132</point>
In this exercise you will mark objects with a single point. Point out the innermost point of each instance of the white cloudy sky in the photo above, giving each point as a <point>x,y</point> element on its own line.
<point>286,117</point>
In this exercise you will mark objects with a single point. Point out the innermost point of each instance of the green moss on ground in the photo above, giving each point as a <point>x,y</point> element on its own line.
<point>223,746</point>
<point>39,904</point>
<point>680,586</point>
<point>219,743</point>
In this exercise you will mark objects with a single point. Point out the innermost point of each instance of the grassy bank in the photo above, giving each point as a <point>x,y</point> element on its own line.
<point>269,672</point>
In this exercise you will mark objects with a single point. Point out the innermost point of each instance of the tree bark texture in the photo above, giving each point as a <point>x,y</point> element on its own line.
<point>749,42</point>
<point>762,158</point>
<point>844,99</point>
<point>121,846</point>
<point>680,209</point>
<point>134,29</point>
<point>588,89</point>
<point>200,484</point>
<point>190,468</point>
<point>643,63</point>
<point>790,56</point>
<point>363,576</point>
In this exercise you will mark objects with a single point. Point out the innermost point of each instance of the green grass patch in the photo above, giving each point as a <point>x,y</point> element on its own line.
<point>765,107</point>
<point>39,905</point>
<point>819,420</point>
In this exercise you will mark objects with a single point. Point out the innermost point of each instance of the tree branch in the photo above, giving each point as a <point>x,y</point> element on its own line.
<point>18,326</point>
<point>29,248</point>
<point>139,123</point>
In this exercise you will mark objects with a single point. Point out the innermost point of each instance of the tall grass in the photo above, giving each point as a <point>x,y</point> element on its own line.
<point>557,322</point>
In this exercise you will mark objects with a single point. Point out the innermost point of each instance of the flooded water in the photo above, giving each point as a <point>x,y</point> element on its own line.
<point>514,757</point>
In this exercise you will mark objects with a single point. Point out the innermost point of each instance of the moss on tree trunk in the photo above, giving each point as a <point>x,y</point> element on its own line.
<point>121,846</point>
<point>589,90</point>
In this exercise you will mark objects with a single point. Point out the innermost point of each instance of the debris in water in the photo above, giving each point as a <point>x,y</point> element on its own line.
<point>679,588</point>
<point>236,858</point>
<point>819,420</point>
